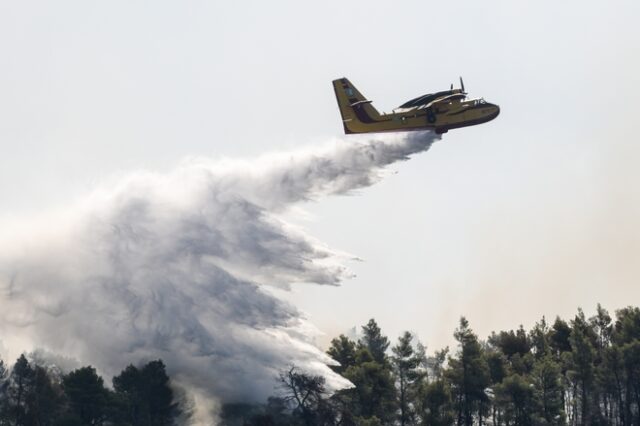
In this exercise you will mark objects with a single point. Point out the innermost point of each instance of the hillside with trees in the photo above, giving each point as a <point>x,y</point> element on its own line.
<point>32,394</point>
<point>581,371</point>
<point>584,371</point>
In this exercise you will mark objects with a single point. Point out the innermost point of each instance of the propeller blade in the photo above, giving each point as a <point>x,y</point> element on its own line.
<point>451,86</point>
<point>461,84</point>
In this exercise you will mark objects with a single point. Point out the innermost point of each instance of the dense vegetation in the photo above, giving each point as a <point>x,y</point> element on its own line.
<point>585,371</point>
<point>40,396</point>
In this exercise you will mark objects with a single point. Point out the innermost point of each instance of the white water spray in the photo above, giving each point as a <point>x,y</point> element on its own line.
<point>174,267</point>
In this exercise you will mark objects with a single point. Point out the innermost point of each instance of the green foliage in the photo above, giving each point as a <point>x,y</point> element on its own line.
<point>45,400</point>
<point>88,398</point>
<point>343,350</point>
<point>20,386</point>
<point>511,343</point>
<point>468,375</point>
<point>374,394</point>
<point>406,363</point>
<point>581,368</point>
<point>437,363</point>
<point>145,394</point>
<point>374,341</point>
<point>559,336</point>
<point>627,325</point>
<point>497,363</point>
<point>515,397</point>
<point>434,406</point>
<point>577,372</point>
<point>601,323</point>
<point>540,341</point>
<point>548,391</point>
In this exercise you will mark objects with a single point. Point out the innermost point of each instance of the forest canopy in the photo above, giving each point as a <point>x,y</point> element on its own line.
<point>581,371</point>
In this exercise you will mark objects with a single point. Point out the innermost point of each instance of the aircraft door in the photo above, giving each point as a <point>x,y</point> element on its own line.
<point>431,116</point>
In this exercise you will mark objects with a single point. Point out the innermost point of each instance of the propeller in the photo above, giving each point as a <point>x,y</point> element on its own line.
<point>451,86</point>
<point>462,85</point>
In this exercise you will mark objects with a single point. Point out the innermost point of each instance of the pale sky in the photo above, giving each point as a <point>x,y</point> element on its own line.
<point>537,212</point>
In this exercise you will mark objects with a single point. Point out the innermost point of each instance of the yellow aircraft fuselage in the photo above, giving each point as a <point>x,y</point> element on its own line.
<point>438,112</point>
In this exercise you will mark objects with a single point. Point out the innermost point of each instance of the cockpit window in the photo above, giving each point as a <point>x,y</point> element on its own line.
<point>425,99</point>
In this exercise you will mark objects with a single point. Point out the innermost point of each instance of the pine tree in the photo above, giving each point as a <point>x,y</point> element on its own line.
<point>4,384</point>
<point>434,402</point>
<point>516,398</point>
<point>374,341</point>
<point>512,343</point>
<point>539,337</point>
<point>625,360</point>
<point>343,350</point>
<point>45,401</point>
<point>146,394</point>
<point>374,393</point>
<point>559,337</point>
<point>20,386</point>
<point>547,381</point>
<point>601,323</point>
<point>497,364</point>
<point>581,366</point>
<point>406,365</point>
<point>88,398</point>
<point>469,376</point>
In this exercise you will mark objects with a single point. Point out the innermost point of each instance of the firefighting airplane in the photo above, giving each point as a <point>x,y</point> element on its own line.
<point>438,111</point>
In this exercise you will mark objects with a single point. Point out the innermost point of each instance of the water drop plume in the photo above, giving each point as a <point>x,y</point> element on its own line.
<point>179,266</point>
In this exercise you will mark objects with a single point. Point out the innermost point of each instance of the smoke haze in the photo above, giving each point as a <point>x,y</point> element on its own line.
<point>179,266</point>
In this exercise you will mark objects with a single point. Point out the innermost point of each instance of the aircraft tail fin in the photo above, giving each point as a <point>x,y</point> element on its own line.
<point>355,109</point>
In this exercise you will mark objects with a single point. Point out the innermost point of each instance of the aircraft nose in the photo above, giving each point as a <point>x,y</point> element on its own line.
<point>496,110</point>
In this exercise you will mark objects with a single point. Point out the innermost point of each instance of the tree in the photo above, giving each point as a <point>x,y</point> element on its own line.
<point>3,378</point>
<point>581,368</point>
<point>497,363</point>
<point>29,396</point>
<point>512,343</point>
<point>627,326</point>
<point>88,398</point>
<point>436,363</point>
<point>4,384</point>
<point>374,394</point>
<point>623,360</point>
<point>45,399</point>
<point>343,350</point>
<point>435,406</point>
<point>374,341</point>
<point>469,376</point>
<point>20,386</point>
<point>559,337</point>
<point>146,394</point>
<point>405,364</point>
<point>515,396</point>
<point>539,337</point>
<point>547,381</point>
<point>631,360</point>
<point>601,323</point>
<point>305,392</point>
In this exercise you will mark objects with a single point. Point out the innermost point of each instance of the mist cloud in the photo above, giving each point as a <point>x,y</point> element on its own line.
<point>179,266</point>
